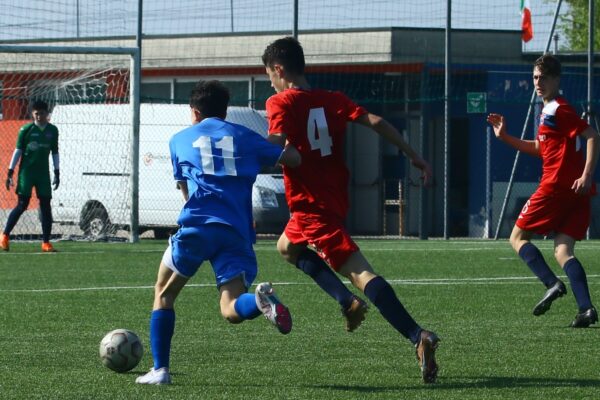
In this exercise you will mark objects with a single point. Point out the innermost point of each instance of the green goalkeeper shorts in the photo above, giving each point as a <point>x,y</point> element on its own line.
<point>28,180</point>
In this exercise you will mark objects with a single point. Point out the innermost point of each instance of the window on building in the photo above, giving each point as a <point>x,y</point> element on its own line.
<point>238,92</point>
<point>262,91</point>
<point>178,92</point>
<point>182,91</point>
<point>155,92</point>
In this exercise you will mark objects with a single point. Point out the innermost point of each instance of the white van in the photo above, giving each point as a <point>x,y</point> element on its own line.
<point>94,145</point>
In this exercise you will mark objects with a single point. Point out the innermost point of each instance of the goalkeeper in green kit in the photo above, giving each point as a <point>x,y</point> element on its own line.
<point>35,142</point>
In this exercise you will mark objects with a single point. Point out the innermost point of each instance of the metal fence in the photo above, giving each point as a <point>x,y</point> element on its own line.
<point>433,68</point>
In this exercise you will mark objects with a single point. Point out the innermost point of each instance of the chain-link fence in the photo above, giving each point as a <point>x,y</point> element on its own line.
<point>388,56</point>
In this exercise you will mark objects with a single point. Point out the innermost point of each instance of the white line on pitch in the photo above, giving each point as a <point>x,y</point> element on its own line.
<point>261,248</point>
<point>441,282</point>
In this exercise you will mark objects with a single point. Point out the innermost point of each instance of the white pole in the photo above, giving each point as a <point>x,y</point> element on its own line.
<point>447,115</point>
<point>488,184</point>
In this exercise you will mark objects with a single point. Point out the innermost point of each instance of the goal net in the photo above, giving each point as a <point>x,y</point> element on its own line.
<point>93,143</point>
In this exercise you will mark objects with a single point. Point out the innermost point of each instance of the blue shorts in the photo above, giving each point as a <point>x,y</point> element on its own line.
<point>230,255</point>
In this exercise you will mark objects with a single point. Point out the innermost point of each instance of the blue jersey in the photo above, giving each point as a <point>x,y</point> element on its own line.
<point>219,161</point>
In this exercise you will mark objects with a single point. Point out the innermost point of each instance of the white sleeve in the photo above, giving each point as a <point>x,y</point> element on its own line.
<point>56,161</point>
<point>15,158</point>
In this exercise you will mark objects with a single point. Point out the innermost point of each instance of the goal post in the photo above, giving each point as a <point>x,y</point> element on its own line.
<point>73,80</point>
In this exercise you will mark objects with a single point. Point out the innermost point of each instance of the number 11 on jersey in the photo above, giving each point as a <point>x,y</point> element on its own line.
<point>206,154</point>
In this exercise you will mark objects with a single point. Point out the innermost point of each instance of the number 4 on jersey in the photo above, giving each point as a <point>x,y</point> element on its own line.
<point>318,132</point>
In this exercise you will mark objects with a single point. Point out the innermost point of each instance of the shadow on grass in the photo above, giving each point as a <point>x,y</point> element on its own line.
<point>516,382</point>
<point>473,382</point>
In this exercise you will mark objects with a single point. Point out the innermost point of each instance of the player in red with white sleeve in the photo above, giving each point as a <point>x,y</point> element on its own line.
<point>314,121</point>
<point>561,203</point>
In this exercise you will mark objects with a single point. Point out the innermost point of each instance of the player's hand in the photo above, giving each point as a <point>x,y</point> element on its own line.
<point>56,180</point>
<point>9,179</point>
<point>497,123</point>
<point>582,185</point>
<point>425,168</point>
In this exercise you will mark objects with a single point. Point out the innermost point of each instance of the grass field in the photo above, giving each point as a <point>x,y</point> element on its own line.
<point>477,295</point>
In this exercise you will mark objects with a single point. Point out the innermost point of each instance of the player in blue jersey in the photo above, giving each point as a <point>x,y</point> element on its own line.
<point>215,164</point>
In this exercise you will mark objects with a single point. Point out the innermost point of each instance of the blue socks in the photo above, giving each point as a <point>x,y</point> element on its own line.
<point>312,265</point>
<point>381,294</point>
<point>245,306</point>
<point>536,263</point>
<point>579,285</point>
<point>534,259</point>
<point>162,326</point>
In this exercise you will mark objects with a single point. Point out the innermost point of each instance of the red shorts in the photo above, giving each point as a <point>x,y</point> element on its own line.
<point>560,211</point>
<point>326,233</point>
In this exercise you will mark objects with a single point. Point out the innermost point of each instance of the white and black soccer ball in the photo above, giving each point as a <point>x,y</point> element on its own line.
<point>121,350</point>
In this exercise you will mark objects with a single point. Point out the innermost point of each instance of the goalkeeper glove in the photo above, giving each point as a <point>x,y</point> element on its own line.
<point>9,179</point>
<point>56,180</point>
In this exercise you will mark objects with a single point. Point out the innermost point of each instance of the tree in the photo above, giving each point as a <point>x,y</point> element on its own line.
<point>574,25</point>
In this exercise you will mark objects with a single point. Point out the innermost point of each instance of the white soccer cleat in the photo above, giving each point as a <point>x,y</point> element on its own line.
<point>159,376</point>
<point>272,308</point>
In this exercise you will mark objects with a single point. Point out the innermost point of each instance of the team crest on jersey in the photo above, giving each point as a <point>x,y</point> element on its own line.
<point>33,146</point>
<point>548,120</point>
<point>548,116</point>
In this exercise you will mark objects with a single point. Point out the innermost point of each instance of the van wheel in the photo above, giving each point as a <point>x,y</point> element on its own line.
<point>95,224</point>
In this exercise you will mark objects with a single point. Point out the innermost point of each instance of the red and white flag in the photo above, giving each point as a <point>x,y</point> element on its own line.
<point>526,25</point>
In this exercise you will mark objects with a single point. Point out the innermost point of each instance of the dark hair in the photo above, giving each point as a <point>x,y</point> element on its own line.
<point>210,98</point>
<point>548,65</point>
<point>287,52</point>
<point>40,105</point>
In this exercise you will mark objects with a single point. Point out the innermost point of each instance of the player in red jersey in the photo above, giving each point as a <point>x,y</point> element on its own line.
<point>314,121</point>
<point>561,203</point>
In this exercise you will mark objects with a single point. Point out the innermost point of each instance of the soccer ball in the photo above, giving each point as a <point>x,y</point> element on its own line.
<point>121,350</point>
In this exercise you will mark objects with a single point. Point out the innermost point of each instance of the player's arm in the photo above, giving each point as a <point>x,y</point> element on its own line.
<point>182,185</point>
<point>277,138</point>
<point>531,147</point>
<point>56,163</point>
<point>583,184</point>
<point>290,157</point>
<point>15,158</point>
<point>180,181</point>
<point>391,134</point>
<point>11,167</point>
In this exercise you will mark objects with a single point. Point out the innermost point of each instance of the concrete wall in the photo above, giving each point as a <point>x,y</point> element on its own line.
<point>404,45</point>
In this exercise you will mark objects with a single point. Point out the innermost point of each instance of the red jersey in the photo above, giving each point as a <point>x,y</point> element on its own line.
<point>560,146</point>
<point>314,121</point>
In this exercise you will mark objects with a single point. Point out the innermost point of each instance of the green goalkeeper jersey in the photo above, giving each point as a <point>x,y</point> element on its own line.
<point>37,144</point>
